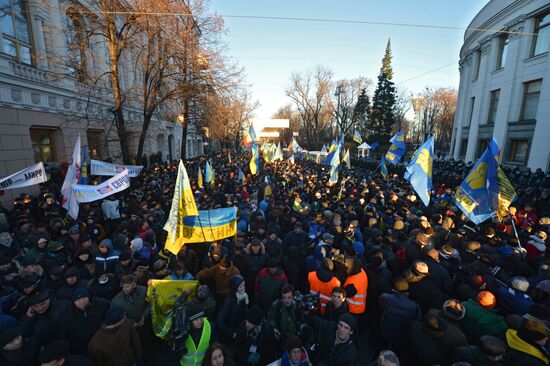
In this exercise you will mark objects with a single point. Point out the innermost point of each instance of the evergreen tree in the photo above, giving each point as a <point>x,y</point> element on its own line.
<point>361,112</point>
<point>382,114</point>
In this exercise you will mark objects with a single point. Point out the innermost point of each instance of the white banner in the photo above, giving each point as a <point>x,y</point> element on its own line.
<point>30,176</point>
<point>87,193</point>
<point>104,168</point>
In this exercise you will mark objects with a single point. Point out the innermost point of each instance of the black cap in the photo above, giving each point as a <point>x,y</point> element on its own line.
<point>38,297</point>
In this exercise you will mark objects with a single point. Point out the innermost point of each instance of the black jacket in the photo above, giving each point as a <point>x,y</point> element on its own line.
<point>79,326</point>
<point>329,354</point>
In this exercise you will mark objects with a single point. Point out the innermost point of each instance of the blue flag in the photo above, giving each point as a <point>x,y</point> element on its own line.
<point>397,148</point>
<point>478,193</point>
<point>374,146</point>
<point>357,137</point>
<point>419,170</point>
<point>240,176</point>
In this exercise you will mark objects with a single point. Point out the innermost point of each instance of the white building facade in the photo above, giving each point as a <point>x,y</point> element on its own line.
<point>45,104</point>
<point>505,84</point>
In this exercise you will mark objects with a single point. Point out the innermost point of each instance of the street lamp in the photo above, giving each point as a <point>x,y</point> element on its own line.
<point>339,91</point>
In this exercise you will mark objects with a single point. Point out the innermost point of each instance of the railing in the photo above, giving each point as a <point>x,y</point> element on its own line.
<point>28,72</point>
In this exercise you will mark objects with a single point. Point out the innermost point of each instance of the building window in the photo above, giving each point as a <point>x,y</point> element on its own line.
<point>16,31</point>
<point>531,93</point>
<point>519,150</point>
<point>463,148</point>
<point>471,111</point>
<point>481,146</point>
<point>541,39</point>
<point>76,42</point>
<point>503,41</point>
<point>95,143</point>
<point>477,63</point>
<point>493,106</point>
<point>42,144</point>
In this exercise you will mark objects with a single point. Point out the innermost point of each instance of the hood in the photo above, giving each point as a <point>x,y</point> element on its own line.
<point>234,282</point>
<point>304,360</point>
<point>249,249</point>
<point>6,239</point>
<point>108,243</point>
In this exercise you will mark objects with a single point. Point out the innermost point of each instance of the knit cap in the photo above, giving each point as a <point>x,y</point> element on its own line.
<point>486,299</point>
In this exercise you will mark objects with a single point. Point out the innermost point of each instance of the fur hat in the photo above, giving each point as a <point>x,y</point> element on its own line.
<point>520,284</point>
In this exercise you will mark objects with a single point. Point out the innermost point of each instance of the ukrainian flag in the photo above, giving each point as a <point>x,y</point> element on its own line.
<point>357,137</point>
<point>210,225</point>
<point>183,205</point>
<point>240,176</point>
<point>397,148</point>
<point>199,178</point>
<point>291,159</point>
<point>162,294</point>
<point>419,170</point>
<point>254,159</point>
<point>334,167</point>
<point>346,159</point>
<point>383,168</point>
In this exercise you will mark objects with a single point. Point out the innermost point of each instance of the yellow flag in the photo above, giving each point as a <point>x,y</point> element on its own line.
<point>212,178</point>
<point>253,167</point>
<point>346,159</point>
<point>183,204</point>
<point>199,179</point>
<point>268,191</point>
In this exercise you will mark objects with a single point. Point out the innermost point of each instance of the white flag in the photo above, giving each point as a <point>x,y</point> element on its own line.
<point>72,177</point>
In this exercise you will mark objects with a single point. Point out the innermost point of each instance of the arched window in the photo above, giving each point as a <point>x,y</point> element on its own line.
<point>77,45</point>
<point>16,31</point>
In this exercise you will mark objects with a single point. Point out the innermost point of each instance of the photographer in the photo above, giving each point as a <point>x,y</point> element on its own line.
<point>284,315</point>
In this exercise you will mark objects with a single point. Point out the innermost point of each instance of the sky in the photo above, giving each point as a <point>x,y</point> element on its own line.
<point>270,50</point>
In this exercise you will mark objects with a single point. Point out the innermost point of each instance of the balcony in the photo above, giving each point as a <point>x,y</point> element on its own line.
<point>28,72</point>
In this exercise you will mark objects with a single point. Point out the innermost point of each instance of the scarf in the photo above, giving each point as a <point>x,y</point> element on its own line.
<point>241,297</point>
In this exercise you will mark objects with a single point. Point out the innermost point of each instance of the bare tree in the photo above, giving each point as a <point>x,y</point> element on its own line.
<point>311,93</point>
<point>345,99</point>
<point>436,109</point>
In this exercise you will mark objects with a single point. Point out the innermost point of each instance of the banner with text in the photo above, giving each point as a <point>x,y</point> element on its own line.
<point>104,168</point>
<point>30,176</point>
<point>116,184</point>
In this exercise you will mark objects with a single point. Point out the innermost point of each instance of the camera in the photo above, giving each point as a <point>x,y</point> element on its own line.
<point>306,301</point>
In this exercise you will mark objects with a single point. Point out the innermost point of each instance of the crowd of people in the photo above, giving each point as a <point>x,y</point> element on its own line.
<point>357,273</point>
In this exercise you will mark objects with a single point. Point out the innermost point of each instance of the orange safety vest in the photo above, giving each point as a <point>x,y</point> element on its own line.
<point>323,289</point>
<point>357,303</point>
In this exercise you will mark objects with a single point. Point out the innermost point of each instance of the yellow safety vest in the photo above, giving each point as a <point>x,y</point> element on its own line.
<point>195,355</point>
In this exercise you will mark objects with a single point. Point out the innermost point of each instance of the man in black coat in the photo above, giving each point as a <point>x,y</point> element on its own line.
<point>254,342</point>
<point>83,319</point>
<point>336,346</point>
<point>43,312</point>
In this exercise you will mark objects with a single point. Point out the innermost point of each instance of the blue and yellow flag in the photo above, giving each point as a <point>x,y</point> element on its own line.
<point>207,173</point>
<point>397,148</point>
<point>183,205</point>
<point>477,195</point>
<point>334,167</point>
<point>419,170</point>
<point>346,159</point>
<point>199,178</point>
<point>357,137</point>
<point>324,149</point>
<point>383,168</point>
<point>254,159</point>
<point>210,225</point>
<point>240,176</point>
<point>162,294</point>
<point>291,159</point>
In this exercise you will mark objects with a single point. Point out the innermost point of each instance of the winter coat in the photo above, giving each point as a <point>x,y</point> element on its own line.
<point>439,276</point>
<point>286,320</point>
<point>424,292</point>
<point>268,287</point>
<point>232,312</point>
<point>115,345</point>
<point>398,311</point>
<point>285,360</point>
<point>133,304</point>
<point>25,356</point>
<point>273,248</point>
<point>535,247</point>
<point>106,263</point>
<point>255,262</point>
<point>293,265</point>
<point>79,327</point>
<point>219,279</point>
<point>425,348</point>
<point>51,319</point>
<point>512,301</point>
<point>263,339</point>
<point>479,321</point>
<point>329,354</point>
<point>473,355</point>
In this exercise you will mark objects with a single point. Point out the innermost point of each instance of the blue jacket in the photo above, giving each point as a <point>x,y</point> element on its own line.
<point>107,262</point>
<point>398,311</point>
<point>512,301</point>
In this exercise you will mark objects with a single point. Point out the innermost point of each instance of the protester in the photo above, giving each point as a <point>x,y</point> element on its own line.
<point>416,278</point>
